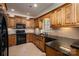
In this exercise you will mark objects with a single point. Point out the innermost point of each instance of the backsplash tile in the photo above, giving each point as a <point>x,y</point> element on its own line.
<point>66,36</point>
<point>66,32</point>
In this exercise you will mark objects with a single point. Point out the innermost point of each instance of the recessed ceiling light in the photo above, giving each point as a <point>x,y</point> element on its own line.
<point>35,5</point>
<point>12,9</point>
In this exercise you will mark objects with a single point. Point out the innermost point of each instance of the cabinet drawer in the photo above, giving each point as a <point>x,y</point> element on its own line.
<point>42,46</point>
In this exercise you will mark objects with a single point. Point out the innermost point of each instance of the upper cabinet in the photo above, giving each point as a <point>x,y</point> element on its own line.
<point>63,16</point>
<point>57,17</point>
<point>18,19</point>
<point>69,14</point>
<point>11,22</point>
<point>40,22</point>
<point>77,12</point>
<point>46,15</point>
<point>3,7</point>
<point>53,18</point>
<point>30,23</point>
<point>36,23</point>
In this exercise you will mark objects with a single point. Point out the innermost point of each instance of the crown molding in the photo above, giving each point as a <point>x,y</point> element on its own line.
<point>50,9</point>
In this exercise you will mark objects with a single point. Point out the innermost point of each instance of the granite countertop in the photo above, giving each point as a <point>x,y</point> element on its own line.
<point>56,46</point>
<point>12,31</point>
<point>75,44</point>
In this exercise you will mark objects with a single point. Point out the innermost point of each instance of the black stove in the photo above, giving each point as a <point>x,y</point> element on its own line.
<point>20,34</point>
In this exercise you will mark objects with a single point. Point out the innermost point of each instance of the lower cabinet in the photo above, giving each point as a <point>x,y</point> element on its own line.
<point>39,41</point>
<point>52,52</point>
<point>77,52</point>
<point>12,40</point>
<point>29,37</point>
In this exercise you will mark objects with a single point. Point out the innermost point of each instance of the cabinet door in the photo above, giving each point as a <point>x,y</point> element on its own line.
<point>53,19</point>
<point>42,45</point>
<point>59,16</point>
<point>11,22</point>
<point>30,37</point>
<point>40,22</point>
<point>23,21</point>
<point>50,52</point>
<point>31,23</point>
<point>69,14</point>
<point>47,15</point>
<point>77,12</point>
<point>77,52</point>
<point>18,19</point>
<point>12,40</point>
<point>36,23</point>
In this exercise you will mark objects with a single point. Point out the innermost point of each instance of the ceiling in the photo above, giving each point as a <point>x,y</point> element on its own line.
<point>24,8</point>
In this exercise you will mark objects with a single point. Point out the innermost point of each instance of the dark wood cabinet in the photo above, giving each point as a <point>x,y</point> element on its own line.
<point>36,25</point>
<point>67,15</point>
<point>74,51</point>
<point>11,22</point>
<point>18,19</point>
<point>12,40</point>
<point>77,52</point>
<point>38,40</point>
<point>30,37</point>
<point>52,52</point>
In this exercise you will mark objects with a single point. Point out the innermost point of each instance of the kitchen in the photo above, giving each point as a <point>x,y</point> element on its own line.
<point>42,29</point>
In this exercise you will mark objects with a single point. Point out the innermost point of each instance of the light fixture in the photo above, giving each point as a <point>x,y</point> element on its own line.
<point>12,9</point>
<point>35,5</point>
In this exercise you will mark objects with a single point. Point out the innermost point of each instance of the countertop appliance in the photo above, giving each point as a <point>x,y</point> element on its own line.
<point>3,35</point>
<point>37,31</point>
